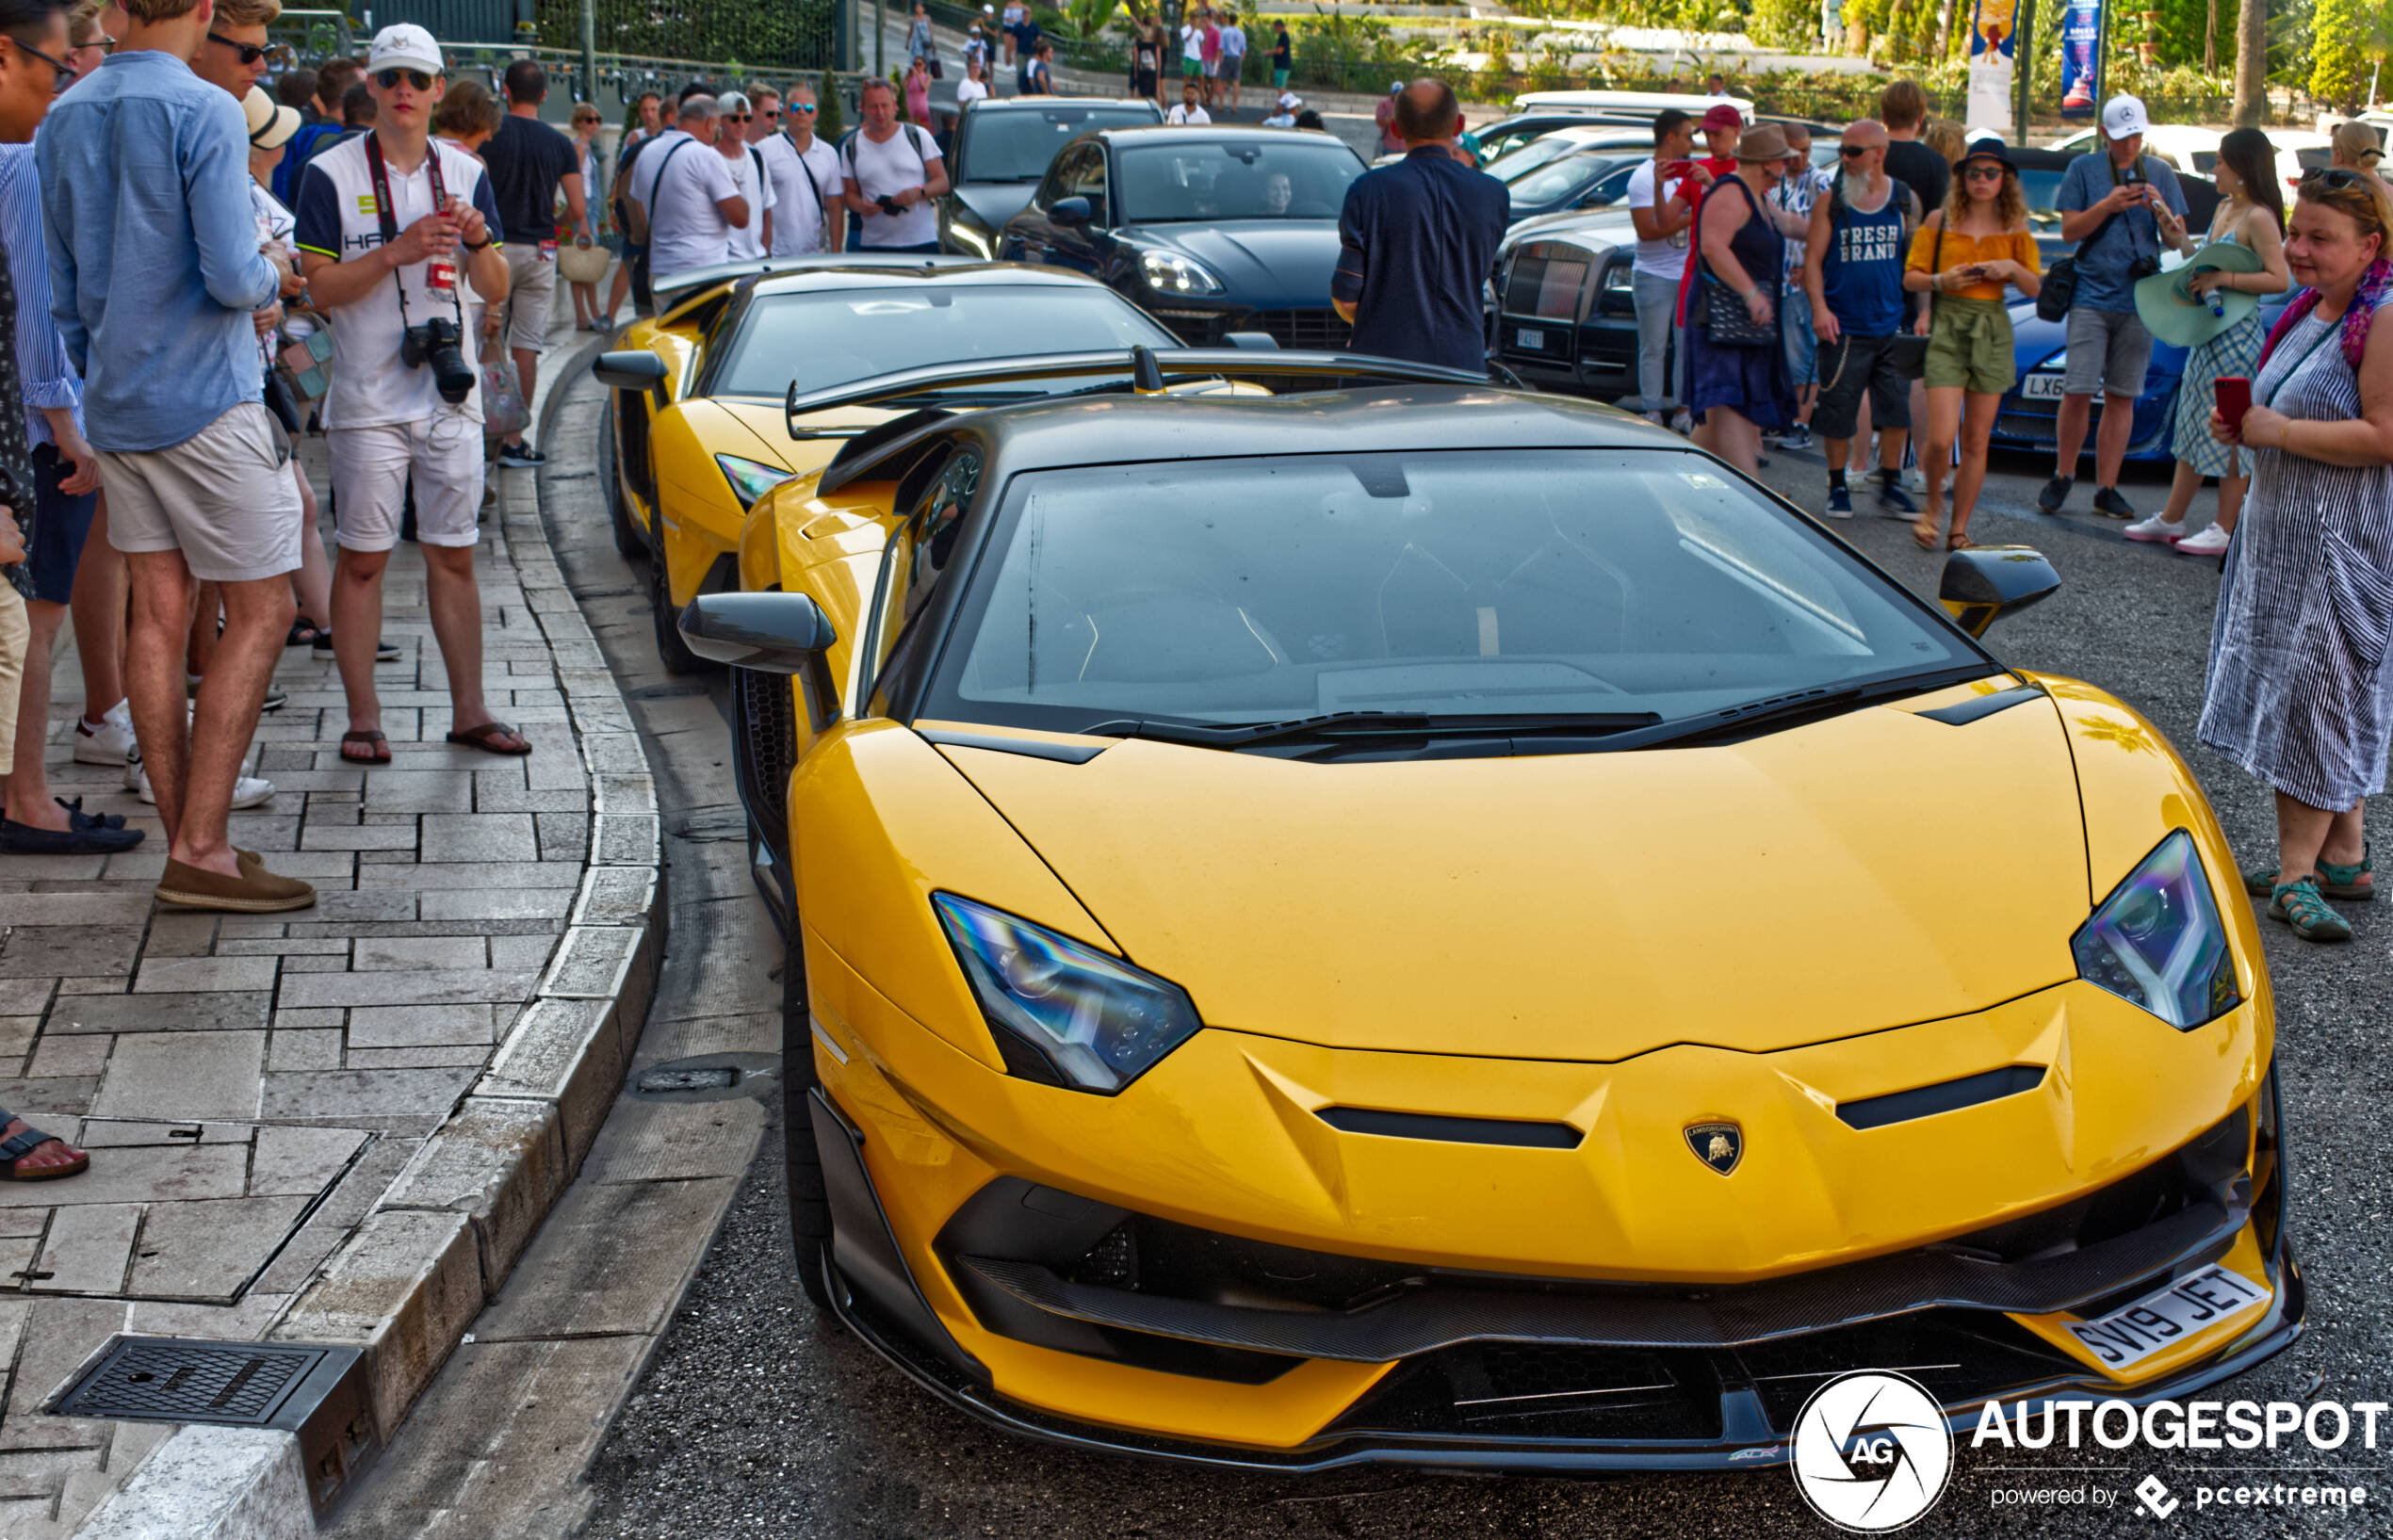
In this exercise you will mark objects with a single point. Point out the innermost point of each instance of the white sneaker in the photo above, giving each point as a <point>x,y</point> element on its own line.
<point>109,742</point>
<point>248,791</point>
<point>2211,541</point>
<point>2156,531</point>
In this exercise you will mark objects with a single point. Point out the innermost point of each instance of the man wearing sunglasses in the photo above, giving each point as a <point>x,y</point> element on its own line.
<point>807,186</point>
<point>394,225</point>
<point>530,164</point>
<point>751,241</point>
<point>145,190</point>
<point>235,54</point>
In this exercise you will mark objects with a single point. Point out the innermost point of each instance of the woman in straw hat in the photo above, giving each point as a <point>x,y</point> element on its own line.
<point>1736,390</point>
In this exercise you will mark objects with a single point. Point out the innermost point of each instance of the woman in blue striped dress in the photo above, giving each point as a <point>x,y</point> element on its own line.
<point>2301,690</point>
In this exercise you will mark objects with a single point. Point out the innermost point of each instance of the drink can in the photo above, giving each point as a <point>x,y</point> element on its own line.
<point>440,274</point>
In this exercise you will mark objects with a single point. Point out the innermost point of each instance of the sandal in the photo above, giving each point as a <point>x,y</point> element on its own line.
<point>2300,905</point>
<point>377,749</point>
<point>1959,541</point>
<point>2333,880</point>
<point>483,737</point>
<point>305,633</point>
<point>1924,533</point>
<point>16,1150</point>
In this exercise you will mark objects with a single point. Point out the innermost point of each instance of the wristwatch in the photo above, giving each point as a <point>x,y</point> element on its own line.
<point>482,246</point>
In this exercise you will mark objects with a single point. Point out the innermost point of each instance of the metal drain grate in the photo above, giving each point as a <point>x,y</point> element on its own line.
<point>170,1381</point>
<point>318,1393</point>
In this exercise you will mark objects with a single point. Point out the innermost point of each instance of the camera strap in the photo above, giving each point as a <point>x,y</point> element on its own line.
<point>387,213</point>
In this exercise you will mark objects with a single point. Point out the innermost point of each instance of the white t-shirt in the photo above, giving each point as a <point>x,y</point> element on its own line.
<point>1667,258</point>
<point>371,386</point>
<point>680,191</point>
<point>970,89</point>
<point>1183,114</point>
<point>746,243</point>
<point>275,223</point>
<point>805,185</point>
<point>903,161</point>
<point>1192,42</point>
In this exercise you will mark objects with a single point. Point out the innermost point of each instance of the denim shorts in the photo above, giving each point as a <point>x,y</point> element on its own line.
<point>62,520</point>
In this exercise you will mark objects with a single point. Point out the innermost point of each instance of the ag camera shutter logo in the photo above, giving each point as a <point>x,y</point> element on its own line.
<point>1872,1452</point>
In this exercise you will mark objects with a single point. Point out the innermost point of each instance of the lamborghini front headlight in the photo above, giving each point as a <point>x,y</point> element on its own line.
<point>1095,1021</point>
<point>2157,940</point>
<point>749,480</point>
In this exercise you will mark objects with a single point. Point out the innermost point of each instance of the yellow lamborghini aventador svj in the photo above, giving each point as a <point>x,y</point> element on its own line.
<point>1416,921</point>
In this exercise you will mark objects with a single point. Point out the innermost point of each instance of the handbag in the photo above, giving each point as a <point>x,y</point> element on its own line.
<point>936,72</point>
<point>581,263</point>
<point>304,364</point>
<point>1907,352</point>
<point>503,412</point>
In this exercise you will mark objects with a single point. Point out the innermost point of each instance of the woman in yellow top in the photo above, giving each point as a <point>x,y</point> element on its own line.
<point>1966,255</point>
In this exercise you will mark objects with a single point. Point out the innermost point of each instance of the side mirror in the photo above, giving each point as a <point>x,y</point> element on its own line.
<point>632,369</point>
<point>1072,213</point>
<point>1253,342</point>
<point>770,633</point>
<point>1981,586</point>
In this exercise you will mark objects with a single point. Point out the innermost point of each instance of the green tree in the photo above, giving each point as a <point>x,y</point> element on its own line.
<point>2337,61</point>
<point>1787,24</point>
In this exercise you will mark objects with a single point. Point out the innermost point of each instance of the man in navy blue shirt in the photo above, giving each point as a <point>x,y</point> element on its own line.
<point>1418,240</point>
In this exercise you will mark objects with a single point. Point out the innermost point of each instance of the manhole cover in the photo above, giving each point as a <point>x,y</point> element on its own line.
<point>710,1076</point>
<point>160,1379</point>
<point>316,1393</point>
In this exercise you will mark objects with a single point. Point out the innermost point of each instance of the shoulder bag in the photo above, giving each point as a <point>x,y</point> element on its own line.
<point>2061,280</point>
<point>1725,321</point>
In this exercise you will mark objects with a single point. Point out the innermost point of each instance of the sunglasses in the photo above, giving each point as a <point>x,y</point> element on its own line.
<point>736,116</point>
<point>2334,179</point>
<point>389,79</point>
<point>1854,152</point>
<point>1982,174</point>
<point>64,73</point>
<point>804,106</point>
<point>250,53</point>
<point>767,116</point>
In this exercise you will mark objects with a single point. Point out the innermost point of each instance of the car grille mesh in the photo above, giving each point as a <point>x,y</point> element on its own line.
<point>768,720</point>
<point>1301,330</point>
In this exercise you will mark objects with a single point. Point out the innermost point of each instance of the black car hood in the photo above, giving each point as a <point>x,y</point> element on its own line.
<point>1260,262</point>
<point>994,203</point>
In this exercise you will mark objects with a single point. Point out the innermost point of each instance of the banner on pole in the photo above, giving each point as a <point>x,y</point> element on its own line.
<point>1993,40</point>
<point>2080,57</point>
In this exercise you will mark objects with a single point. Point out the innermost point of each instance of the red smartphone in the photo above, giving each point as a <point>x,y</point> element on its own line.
<point>1676,171</point>
<point>2234,393</point>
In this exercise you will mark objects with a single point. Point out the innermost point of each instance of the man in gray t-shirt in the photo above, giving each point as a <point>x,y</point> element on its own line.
<point>2124,208</point>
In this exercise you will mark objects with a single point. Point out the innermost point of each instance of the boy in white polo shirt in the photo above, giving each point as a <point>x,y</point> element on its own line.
<point>391,227</point>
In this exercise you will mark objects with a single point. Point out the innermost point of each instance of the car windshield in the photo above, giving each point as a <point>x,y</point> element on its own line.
<point>1460,583</point>
<point>1018,144</point>
<point>1567,179</point>
<point>1515,164</point>
<point>1293,176</point>
<point>819,340</point>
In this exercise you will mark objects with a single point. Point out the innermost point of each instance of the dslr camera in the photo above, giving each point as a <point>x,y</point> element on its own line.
<point>434,345</point>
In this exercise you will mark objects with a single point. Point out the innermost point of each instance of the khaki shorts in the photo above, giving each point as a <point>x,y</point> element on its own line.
<point>1969,347</point>
<point>16,636</point>
<point>2109,352</point>
<point>372,466</point>
<point>224,498</point>
<point>531,297</point>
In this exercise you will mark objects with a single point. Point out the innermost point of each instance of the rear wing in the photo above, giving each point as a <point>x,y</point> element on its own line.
<point>1151,369</point>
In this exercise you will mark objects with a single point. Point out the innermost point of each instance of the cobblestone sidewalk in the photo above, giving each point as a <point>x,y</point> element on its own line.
<point>251,1089</point>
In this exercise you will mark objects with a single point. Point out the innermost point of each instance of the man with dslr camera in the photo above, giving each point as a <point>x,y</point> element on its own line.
<point>390,224</point>
<point>892,172</point>
<point>2123,208</point>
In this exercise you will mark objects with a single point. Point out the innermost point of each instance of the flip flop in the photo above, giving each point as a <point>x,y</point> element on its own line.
<point>377,749</point>
<point>16,1150</point>
<point>480,738</point>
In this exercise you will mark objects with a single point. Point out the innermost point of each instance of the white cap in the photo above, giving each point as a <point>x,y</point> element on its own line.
<point>404,46</point>
<point>2124,116</point>
<point>731,101</point>
<point>1394,86</point>
<point>1290,99</point>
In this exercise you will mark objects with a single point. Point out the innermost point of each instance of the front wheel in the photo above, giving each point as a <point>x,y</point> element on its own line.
<point>674,652</point>
<point>809,1200</point>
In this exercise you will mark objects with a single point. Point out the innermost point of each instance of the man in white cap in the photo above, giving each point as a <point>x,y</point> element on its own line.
<point>751,241</point>
<point>2123,209</point>
<point>1286,116</point>
<point>144,190</point>
<point>392,225</point>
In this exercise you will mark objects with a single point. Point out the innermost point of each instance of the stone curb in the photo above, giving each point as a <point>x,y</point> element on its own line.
<point>444,1237</point>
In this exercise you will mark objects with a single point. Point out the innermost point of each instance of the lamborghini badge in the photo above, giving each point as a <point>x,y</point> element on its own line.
<point>1719,1146</point>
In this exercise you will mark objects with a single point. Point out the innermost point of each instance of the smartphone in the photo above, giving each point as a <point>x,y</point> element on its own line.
<point>2234,396</point>
<point>1676,171</point>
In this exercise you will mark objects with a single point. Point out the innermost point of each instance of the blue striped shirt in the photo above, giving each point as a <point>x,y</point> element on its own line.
<point>44,373</point>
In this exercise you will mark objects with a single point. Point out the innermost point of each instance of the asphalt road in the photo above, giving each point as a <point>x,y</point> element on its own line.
<point>756,1419</point>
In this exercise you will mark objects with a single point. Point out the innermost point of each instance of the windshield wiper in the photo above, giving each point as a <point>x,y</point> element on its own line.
<point>1738,721</point>
<point>1373,724</point>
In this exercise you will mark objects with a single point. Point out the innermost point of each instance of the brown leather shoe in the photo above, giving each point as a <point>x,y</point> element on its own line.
<point>255,891</point>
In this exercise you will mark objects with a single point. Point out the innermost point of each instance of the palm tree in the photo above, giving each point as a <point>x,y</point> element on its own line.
<point>2252,63</point>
